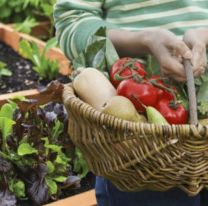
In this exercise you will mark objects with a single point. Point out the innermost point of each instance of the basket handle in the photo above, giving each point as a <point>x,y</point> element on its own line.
<point>191,92</point>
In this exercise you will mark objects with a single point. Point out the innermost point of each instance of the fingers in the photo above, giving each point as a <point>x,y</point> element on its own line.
<point>179,48</point>
<point>199,59</point>
<point>170,65</point>
<point>197,40</point>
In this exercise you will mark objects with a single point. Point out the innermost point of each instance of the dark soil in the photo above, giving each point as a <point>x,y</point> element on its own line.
<point>23,77</point>
<point>87,183</point>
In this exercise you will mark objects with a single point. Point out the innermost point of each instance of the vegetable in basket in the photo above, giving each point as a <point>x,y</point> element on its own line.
<point>144,89</point>
<point>125,68</point>
<point>123,108</point>
<point>173,112</point>
<point>140,93</point>
<point>93,87</point>
<point>154,116</point>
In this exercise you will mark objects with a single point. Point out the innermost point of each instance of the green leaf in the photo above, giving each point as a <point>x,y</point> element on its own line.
<point>202,94</point>
<point>4,71</point>
<point>50,167</point>
<point>57,129</point>
<point>80,165</point>
<point>19,97</point>
<point>7,110</point>
<point>50,44</point>
<point>6,125</point>
<point>60,178</point>
<point>17,187</point>
<point>92,51</point>
<point>2,64</point>
<point>26,149</point>
<point>99,60</point>
<point>51,185</point>
<point>53,147</point>
<point>99,53</point>
<point>25,49</point>
<point>111,54</point>
<point>26,26</point>
<point>45,67</point>
<point>62,159</point>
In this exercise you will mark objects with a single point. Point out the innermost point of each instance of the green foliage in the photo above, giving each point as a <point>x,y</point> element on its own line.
<point>80,164</point>
<point>19,10</point>
<point>17,187</point>
<point>4,71</point>
<point>26,13</point>
<point>26,26</point>
<point>203,108</point>
<point>46,68</point>
<point>201,84</point>
<point>99,53</point>
<point>34,153</point>
<point>26,149</point>
<point>6,123</point>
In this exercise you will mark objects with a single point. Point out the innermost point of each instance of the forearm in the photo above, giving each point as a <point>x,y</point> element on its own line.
<point>129,43</point>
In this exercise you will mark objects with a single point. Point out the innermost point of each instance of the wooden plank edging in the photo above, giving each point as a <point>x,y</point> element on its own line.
<point>83,199</point>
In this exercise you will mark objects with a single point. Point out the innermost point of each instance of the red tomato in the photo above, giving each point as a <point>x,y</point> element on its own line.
<point>162,93</point>
<point>173,114</point>
<point>139,93</point>
<point>125,67</point>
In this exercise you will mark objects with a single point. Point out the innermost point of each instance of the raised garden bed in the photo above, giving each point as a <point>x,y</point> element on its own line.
<point>84,196</point>
<point>11,38</point>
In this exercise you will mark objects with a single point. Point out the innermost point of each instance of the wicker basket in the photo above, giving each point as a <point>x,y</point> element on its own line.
<point>137,156</point>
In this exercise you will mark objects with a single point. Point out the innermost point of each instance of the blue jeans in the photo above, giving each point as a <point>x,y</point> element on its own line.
<point>108,195</point>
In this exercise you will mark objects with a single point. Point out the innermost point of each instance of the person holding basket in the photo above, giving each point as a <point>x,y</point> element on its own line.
<point>169,30</point>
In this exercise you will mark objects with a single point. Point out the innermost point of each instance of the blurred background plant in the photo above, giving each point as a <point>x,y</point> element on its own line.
<point>26,14</point>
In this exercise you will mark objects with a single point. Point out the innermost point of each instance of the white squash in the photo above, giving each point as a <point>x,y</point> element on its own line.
<point>93,87</point>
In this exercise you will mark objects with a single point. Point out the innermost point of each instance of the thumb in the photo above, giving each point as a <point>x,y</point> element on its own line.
<point>199,59</point>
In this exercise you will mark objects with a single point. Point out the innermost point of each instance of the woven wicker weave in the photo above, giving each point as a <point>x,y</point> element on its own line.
<point>136,156</point>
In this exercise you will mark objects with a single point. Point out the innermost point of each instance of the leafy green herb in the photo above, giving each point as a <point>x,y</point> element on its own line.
<point>46,68</point>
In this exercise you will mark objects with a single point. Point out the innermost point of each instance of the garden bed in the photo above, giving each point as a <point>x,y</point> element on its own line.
<point>23,76</point>
<point>10,38</point>
<point>73,196</point>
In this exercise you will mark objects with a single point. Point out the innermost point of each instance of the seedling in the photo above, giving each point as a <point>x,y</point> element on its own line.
<point>45,67</point>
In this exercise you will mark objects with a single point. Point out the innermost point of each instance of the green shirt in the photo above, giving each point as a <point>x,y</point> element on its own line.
<point>76,20</point>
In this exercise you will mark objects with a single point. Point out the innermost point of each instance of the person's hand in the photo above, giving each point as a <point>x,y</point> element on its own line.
<point>163,44</point>
<point>197,41</point>
<point>169,52</point>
